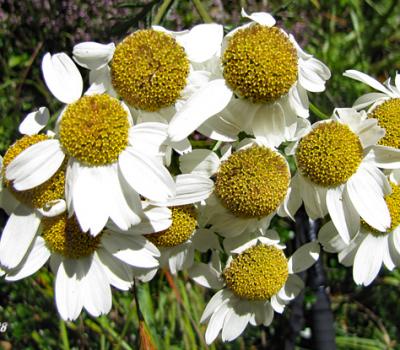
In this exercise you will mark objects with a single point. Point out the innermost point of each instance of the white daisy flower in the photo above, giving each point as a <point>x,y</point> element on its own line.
<point>257,280</point>
<point>269,75</point>
<point>110,161</point>
<point>250,185</point>
<point>179,241</point>
<point>384,106</point>
<point>85,266</point>
<point>27,208</point>
<point>338,173</point>
<point>369,249</point>
<point>159,73</point>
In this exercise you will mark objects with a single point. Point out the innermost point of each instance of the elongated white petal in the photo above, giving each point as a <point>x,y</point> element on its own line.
<point>53,208</point>
<point>385,157</point>
<point>216,322</point>
<point>206,102</point>
<point>33,261</point>
<point>217,299</point>
<point>7,200</point>
<point>293,285</point>
<point>17,236</point>
<point>204,239</point>
<point>298,100</point>
<point>276,305</point>
<point>35,165</point>
<point>366,79</point>
<point>368,260</point>
<point>34,121</point>
<point>262,18</point>
<point>206,276</point>
<point>368,99</point>
<point>304,257</point>
<point>62,77</point>
<point>367,198</point>
<point>200,161</point>
<point>235,322</point>
<point>155,219</point>
<point>68,292</point>
<point>217,128</point>
<point>148,138</point>
<point>330,239</point>
<point>92,55</point>
<point>202,42</point>
<point>146,175</point>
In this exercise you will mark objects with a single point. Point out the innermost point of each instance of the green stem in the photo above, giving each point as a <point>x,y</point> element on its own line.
<point>162,10</point>
<point>64,335</point>
<point>216,146</point>
<point>318,112</point>
<point>202,11</point>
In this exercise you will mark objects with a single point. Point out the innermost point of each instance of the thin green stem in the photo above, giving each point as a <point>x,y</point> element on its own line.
<point>318,112</point>
<point>202,11</point>
<point>217,146</point>
<point>162,10</point>
<point>64,335</point>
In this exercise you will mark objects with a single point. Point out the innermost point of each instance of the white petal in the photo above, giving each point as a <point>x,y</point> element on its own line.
<point>215,302</point>
<point>364,78</point>
<point>202,41</point>
<point>293,285</point>
<point>146,175</point>
<point>304,257</point>
<point>155,219</point>
<point>216,322</point>
<point>129,249</point>
<point>204,239</point>
<point>53,208</point>
<point>368,99</point>
<point>148,138</point>
<point>35,165</point>
<point>330,239</point>
<point>96,290</point>
<point>206,276</point>
<point>62,77</point>
<point>367,198</point>
<point>298,100</point>
<point>92,55</point>
<point>200,161</point>
<point>68,290</point>
<point>368,260</point>
<point>262,18</point>
<point>235,322</point>
<point>18,233</point>
<point>34,122</point>
<point>33,261</point>
<point>309,77</point>
<point>7,200</point>
<point>276,305</point>
<point>206,102</point>
<point>385,157</point>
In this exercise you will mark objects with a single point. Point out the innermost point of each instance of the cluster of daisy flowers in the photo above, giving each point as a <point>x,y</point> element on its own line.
<point>112,191</point>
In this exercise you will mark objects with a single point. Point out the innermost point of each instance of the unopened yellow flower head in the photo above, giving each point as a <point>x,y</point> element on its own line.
<point>253,182</point>
<point>184,222</point>
<point>330,154</point>
<point>388,116</point>
<point>260,63</point>
<point>94,129</point>
<point>393,203</point>
<point>149,70</point>
<point>49,191</point>
<point>258,273</point>
<point>64,236</point>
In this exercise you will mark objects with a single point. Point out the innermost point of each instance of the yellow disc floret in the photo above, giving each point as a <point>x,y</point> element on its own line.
<point>258,273</point>
<point>94,129</point>
<point>330,154</point>
<point>184,221</point>
<point>253,182</point>
<point>388,115</point>
<point>260,63</point>
<point>149,69</point>
<point>49,191</point>
<point>64,236</point>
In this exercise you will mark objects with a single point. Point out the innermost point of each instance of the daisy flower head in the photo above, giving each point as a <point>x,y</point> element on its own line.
<point>179,241</point>
<point>257,280</point>
<point>370,248</point>
<point>384,106</point>
<point>110,161</point>
<point>338,173</point>
<point>85,266</point>
<point>250,185</point>
<point>27,208</point>
<point>160,73</point>
<point>269,75</point>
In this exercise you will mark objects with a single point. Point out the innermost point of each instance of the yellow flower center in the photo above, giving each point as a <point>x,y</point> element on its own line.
<point>64,236</point>
<point>184,221</point>
<point>149,69</point>
<point>388,115</point>
<point>94,129</point>
<point>260,63</point>
<point>330,154</point>
<point>258,273</point>
<point>47,192</point>
<point>253,182</point>
<point>393,204</point>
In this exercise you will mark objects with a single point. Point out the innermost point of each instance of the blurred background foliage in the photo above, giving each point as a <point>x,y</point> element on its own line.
<point>345,34</point>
